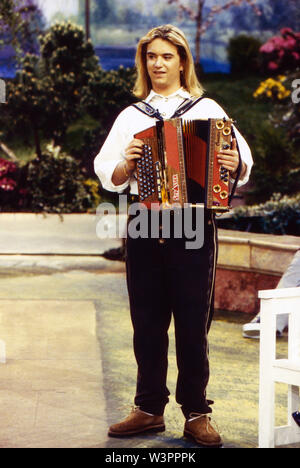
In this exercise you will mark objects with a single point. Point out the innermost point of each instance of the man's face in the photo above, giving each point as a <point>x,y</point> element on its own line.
<point>163,66</point>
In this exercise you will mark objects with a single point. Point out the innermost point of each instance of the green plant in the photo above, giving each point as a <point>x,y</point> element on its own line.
<point>21,21</point>
<point>46,95</point>
<point>83,141</point>
<point>276,163</point>
<point>56,184</point>
<point>28,98</point>
<point>277,143</point>
<point>243,54</point>
<point>279,215</point>
<point>107,93</point>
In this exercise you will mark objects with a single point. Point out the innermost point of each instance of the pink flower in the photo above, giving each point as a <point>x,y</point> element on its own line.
<point>296,55</point>
<point>267,48</point>
<point>6,167</point>
<point>290,43</point>
<point>8,185</point>
<point>278,42</point>
<point>286,31</point>
<point>273,66</point>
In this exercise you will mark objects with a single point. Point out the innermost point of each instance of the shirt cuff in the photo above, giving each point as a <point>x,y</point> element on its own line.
<point>104,171</point>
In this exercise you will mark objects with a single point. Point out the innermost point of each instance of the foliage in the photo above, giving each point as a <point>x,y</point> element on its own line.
<point>68,62</point>
<point>27,100</point>
<point>280,160</point>
<point>289,118</point>
<point>21,21</point>
<point>282,53</point>
<point>56,93</point>
<point>281,136</point>
<point>56,184</point>
<point>279,215</point>
<point>107,93</point>
<point>47,92</point>
<point>84,143</point>
<point>243,54</point>
<point>286,113</point>
<point>276,163</point>
<point>53,184</point>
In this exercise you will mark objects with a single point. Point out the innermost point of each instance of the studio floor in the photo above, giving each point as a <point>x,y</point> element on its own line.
<point>70,370</point>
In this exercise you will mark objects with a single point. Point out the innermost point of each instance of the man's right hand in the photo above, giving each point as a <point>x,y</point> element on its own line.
<point>133,152</point>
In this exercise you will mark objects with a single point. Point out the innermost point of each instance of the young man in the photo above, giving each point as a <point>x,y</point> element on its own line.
<point>163,276</point>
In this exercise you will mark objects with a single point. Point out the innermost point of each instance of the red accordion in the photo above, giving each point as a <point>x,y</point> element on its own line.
<point>179,163</point>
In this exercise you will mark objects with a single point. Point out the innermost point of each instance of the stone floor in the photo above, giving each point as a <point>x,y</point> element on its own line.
<point>70,370</point>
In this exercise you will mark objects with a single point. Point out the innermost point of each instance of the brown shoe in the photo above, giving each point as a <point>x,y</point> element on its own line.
<point>137,422</point>
<point>201,430</point>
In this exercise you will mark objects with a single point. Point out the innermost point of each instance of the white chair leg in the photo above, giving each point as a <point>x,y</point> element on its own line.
<point>267,415</point>
<point>2,352</point>
<point>267,385</point>
<point>293,403</point>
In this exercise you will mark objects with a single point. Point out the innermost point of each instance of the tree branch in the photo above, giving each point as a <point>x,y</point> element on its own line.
<point>8,152</point>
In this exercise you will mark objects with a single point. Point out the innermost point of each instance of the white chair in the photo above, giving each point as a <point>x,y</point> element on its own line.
<point>2,352</point>
<point>274,302</point>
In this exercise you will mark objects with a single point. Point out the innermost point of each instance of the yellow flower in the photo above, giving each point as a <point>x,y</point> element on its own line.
<point>272,88</point>
<point>282,78</point>
<point>94,188</point>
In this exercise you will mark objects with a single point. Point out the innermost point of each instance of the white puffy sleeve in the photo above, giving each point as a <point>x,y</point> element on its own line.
<point>111,153</point>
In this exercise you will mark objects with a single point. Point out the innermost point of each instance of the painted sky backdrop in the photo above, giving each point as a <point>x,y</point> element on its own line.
<point>51,7</point>
<point>121,23</point>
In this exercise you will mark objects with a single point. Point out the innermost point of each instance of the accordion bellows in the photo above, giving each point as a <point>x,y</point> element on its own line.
<point>179,164</point>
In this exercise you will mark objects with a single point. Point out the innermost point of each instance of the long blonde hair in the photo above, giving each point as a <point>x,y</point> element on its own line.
<point>176,37</point>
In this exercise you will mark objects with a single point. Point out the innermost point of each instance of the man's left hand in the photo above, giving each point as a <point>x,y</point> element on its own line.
<point>229,159</point>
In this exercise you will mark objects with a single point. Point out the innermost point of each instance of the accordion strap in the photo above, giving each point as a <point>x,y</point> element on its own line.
<point>185,106</point>
<point>239,170</point>
<point>144,107</point>
<point>147,109</point>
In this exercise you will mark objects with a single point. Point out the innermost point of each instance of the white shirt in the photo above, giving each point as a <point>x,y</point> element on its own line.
<point>131,121</point>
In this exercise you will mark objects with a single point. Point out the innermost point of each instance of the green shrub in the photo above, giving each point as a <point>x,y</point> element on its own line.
<point>56,184</point>
<point>279,215</point>
<point>276,165</point>
<point>107,93</point>
<point>243,55</point>
<point>45,97</point>
<point>84,145</point>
